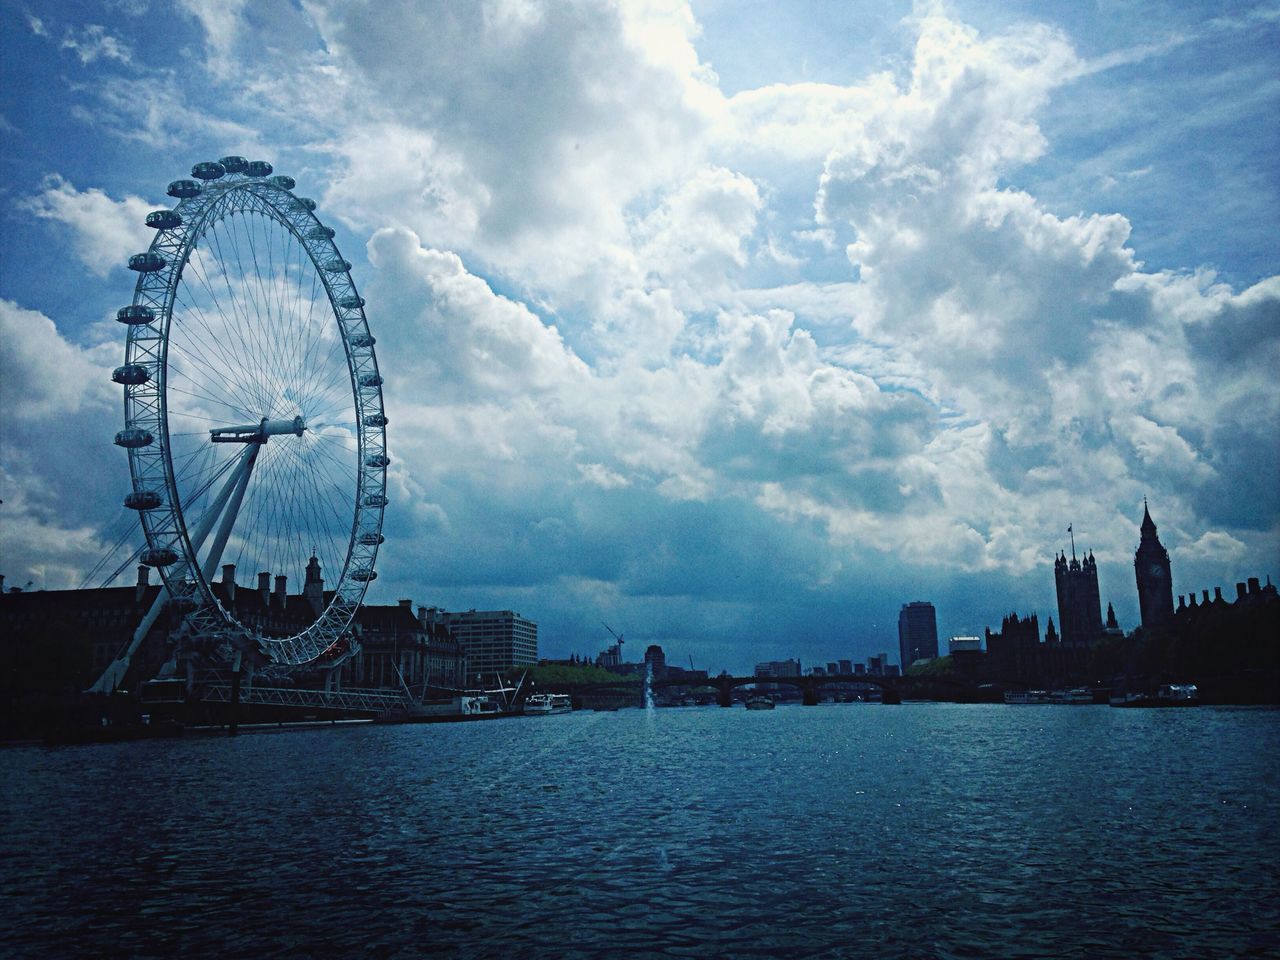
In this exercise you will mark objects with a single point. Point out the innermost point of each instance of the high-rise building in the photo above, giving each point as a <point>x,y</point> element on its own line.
<point>492,640</point>
<point>778,668</point>
<point>1155,583</point>
<point>656,661</point>
<point>1079,603</point>
<point>917,633</point>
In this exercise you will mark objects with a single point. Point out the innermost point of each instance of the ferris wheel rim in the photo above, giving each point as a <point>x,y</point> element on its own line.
<point>147,434</point>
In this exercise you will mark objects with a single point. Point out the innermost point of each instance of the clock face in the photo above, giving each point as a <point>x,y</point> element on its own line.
<point>1156,570</point>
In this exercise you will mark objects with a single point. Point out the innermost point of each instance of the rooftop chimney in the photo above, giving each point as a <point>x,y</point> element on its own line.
<point>1254,585</point>
<point>1240,591</point>
<point>229,581</point>
<point>406,604</point>
<point>281,581</point>
<point>1217,595</point>
<point>144,581</point>
<point>264,586</point>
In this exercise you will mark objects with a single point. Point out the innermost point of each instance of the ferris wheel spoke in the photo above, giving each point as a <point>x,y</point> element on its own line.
<point>245,332</point>
<point>231,340</point>
<point>197,347</point>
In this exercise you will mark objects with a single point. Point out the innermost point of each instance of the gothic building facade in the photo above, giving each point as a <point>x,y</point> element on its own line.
<point>1079,603</point>
<point>1155,583</point>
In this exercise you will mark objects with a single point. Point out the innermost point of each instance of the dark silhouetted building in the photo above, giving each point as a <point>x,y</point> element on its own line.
<point>1013,653</point>
<point>1155,581</point>
<point>1079,603</point>
<point>656,660</point>
<point>917,633</point>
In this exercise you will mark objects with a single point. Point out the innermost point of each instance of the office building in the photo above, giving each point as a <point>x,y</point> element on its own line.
<point>917,633</point>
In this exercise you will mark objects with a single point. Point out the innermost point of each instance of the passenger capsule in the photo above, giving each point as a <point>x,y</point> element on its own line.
<point>208,170</point>
<point>284,182</point>
<point>131,373</point>
<point>320,233</point>
<point>146,262</point>
<point>158,557</point>
<point>375,420</point>
<point>372,539</point>
<point>134,437</point>
<point>142,500</point>
<point>257,168</point>
<point>184,189</point>
<point>377,460</point>
<point>351,303</point>
<point>337,266</point>
<point>364,574</point>
<point>135,314</point>
<point>234,164</point>
<point>363,340</point>
<point>371,380</point>
<point>163,220</point>
<point>375,500</point>
<point>307,202</point>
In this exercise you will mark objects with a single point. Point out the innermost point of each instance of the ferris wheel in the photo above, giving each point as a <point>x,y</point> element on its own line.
<point>254,418</point>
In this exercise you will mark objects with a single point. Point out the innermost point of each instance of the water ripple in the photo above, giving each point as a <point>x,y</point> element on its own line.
<point>918,831</point>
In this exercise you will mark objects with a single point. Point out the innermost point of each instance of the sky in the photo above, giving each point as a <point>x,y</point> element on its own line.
<point>731,325</point>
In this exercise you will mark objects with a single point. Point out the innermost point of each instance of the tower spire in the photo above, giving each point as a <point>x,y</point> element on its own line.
<point>1148,525</point>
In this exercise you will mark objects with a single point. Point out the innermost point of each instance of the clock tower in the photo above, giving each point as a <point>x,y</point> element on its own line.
<point>1155,585</point>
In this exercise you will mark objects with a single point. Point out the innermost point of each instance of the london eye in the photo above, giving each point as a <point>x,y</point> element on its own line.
<point>253,409</point>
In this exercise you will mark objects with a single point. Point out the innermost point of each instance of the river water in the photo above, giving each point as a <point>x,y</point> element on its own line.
<point>922,830</point>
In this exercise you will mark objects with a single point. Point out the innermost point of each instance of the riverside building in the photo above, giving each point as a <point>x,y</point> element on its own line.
<point>492,640</point>
<point>917,633</point>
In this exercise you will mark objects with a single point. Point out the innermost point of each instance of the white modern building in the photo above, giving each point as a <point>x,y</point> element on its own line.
<point>492,640</point>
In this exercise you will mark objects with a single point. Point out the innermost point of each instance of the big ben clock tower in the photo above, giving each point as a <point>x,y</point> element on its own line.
<point>1155,586</point>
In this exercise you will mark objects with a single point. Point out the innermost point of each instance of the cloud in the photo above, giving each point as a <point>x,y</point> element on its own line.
<point>44,374</point>
<point>1213,545</point>
<point>653,347</point>
<point>104,232</point>
<point>93,42</point>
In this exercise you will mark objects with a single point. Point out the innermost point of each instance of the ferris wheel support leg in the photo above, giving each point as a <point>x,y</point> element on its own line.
<point>240,477</point>
<point>115,672</point>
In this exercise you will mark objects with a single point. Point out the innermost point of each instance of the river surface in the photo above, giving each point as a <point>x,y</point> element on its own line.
<point>921,830</point>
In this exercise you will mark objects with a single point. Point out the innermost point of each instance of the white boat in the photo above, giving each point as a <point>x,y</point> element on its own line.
<point>1076,696</point>
<point>1168,695</point>
<point>1026,696</point>
<point>542,704</point>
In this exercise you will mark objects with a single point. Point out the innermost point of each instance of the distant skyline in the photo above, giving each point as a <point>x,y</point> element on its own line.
<point>733,328</point>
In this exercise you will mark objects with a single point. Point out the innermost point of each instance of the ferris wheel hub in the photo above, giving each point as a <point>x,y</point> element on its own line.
<point>259,432</point>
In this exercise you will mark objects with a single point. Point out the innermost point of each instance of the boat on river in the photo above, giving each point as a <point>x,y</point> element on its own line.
<point>1166,695</point>
<point>760,701</point>
<point>1024,697</point>
<point>544,704</point>
<point>1077,696</point>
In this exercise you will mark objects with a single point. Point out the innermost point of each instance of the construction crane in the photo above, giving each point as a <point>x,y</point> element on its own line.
<point>617,647</point>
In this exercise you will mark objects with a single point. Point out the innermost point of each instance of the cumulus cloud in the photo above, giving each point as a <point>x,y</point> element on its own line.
<point>43,373</point>
<point>637,333</point>
<point>104,232</point>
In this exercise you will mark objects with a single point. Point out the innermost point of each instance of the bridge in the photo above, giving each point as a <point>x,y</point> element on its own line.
<point>892,688</point>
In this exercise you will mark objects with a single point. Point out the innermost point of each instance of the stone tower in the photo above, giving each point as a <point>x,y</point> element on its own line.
<point>1079,603</point>
<point>1155,582</point>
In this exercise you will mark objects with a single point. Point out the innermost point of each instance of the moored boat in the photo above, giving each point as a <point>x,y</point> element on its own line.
<point>1077,696</point>
<point>760,701</point>
<point>1166,695</point>
<point>1023,697</point>
<point>544,704</point>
